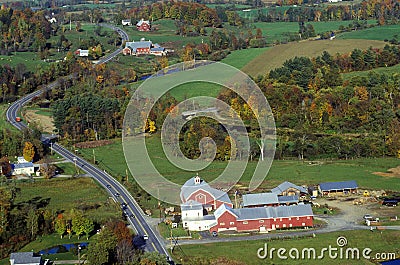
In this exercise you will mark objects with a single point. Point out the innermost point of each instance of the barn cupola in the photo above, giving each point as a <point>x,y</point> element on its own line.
<point>197,179</point>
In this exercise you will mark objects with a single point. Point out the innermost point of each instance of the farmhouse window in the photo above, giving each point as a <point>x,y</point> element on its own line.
<point>290,225</point>
<point>284,225</point>
<point>221,223</point>
<point>261,221</point>
<point>232,223</point>
<point>303,224</point>
<point>290,218</point>
<point>297,218</point>
<point>245,222</point>
<point>308,217</point>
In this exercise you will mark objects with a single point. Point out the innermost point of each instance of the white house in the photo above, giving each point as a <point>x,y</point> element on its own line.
<point>23,168</point>
<point>25,258</point>
<point>126,22</point>
<point>193,217</point>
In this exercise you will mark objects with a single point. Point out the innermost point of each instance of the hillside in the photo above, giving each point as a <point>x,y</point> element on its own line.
<point>276,56</point>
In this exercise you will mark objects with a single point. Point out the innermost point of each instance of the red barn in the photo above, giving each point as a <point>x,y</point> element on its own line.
<point>262,218</point>
<point>143,25</point>
<point>198,190</point>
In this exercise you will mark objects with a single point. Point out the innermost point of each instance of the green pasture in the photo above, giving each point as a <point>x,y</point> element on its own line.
<point>381,70</point>
<point>62,194</point>
<point>386,32</point>
<point>275,30</point>
<point>30,59</point>
<point>240,58</point>
<point>246,251</point>
<point>111,157</point>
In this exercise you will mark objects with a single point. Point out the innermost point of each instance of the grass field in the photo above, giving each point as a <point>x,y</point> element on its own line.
<point>111,157</point>
<point>274,31</point>
<point>246,251</point>
<point>80,191</point>
<point>375,33</point>
<point>381,70</point>
<point>277,55</point>
<point>30,59</point>
<point>240,58</point>
<point>3,120</point>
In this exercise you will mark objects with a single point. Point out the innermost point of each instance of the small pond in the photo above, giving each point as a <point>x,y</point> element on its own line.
<point>62,248</point>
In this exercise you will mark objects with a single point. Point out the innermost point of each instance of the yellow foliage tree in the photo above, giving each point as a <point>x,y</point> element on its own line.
<point>29,151</point>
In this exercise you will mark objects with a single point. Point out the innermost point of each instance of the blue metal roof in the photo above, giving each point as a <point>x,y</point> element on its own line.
<point>23,165</point>
<point>340,185</point>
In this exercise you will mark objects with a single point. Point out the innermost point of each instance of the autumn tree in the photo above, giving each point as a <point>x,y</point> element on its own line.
<point>29,151</point>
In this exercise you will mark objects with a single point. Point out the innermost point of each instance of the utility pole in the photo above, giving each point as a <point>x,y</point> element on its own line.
<point>94,158</point>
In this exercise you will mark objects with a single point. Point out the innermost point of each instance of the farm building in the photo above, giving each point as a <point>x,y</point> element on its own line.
<point>338,188</point>
<point>198,190</point>
<point>23,168</point>
<point>194,216</point>
<point>25,258</point>
<point>143,47</point>
<point>82,53</point>
<point>126,22</point>
<point>143,25</point>
<point>289,189</point>
<point>262,219</point>
<point>267,199</point>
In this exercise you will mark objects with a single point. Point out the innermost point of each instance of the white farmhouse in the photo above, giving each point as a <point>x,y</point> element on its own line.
<point>193,217</point>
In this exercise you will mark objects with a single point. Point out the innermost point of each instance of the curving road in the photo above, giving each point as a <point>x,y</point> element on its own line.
<point>129,206</point>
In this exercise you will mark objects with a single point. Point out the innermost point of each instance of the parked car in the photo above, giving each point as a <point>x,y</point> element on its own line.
<point>145,237</point>
<point>214,234</point>
<point>367,217</point>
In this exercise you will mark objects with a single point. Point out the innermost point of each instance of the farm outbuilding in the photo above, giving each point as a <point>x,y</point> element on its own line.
<point>338,188</point>
<point>289,189</point>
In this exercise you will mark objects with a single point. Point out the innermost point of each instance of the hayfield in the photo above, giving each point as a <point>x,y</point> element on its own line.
<point>277,55</point>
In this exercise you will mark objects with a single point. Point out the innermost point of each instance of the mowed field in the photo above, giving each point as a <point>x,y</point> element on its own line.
<point>246,251</point>
<point>111,158</point>
<point>277,55</point>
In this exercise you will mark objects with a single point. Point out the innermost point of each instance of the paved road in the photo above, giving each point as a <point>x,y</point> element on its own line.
<point>134,213</point>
